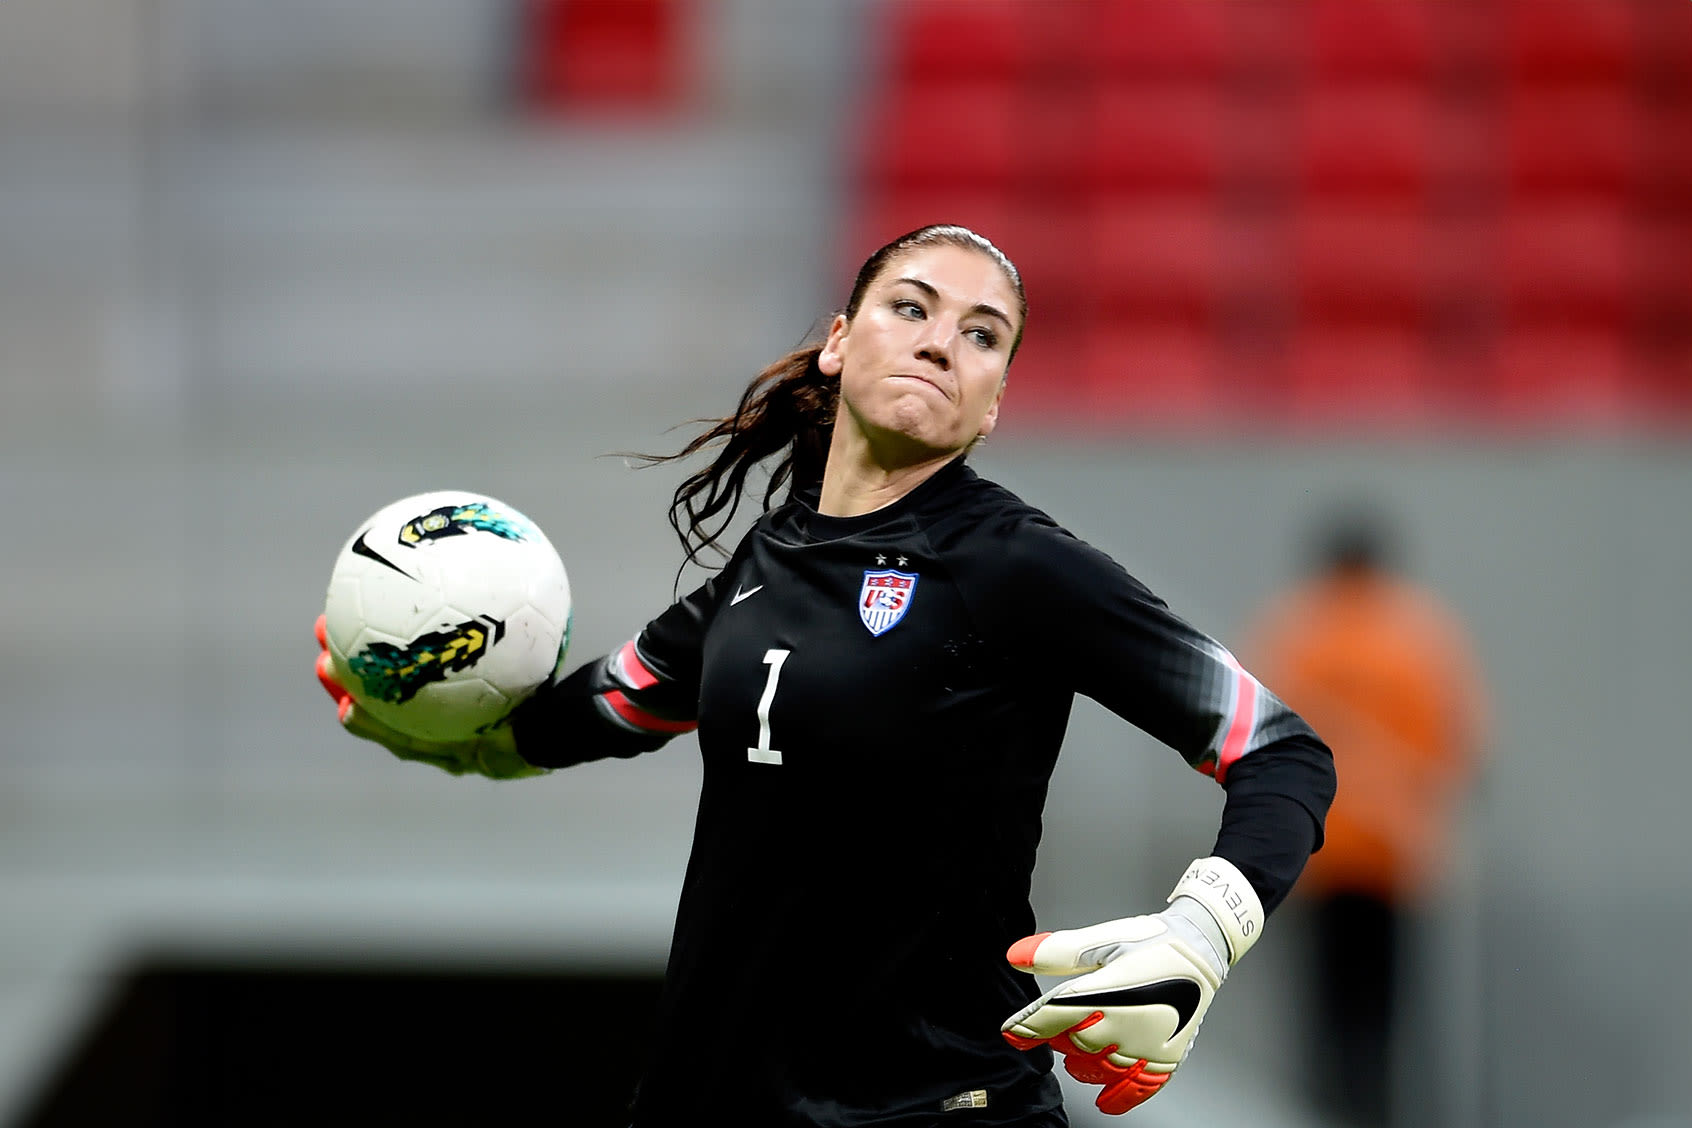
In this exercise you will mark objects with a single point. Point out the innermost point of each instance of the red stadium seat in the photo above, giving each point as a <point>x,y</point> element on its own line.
<point>982,39</point>
<point>1549,374</point>
<point>1583,140</point>
<point>1113,149</point>
<point>1368,261</point>
<point>956,134</point>
<point>1368,140</point>
<point>1057,137</point>
<point>1570,40</point>
<point>605,54</point>
<point>1573,260</point>
<point>1044,373</point>
<point>1663,387</point>
<point>1372,375</point>
<point>1666,152</point>
<point>1169,255</point>
<point>1663,260</point>
<point>1371,39</point>
<point>1050,242</point>
<point>1263,140</point>
<point>1665,302</point>
<point>1155,39</point>
<point>1155,137</point>
<point>1266,39</point>
<point>1146,373</point>
<point>1667,33</point>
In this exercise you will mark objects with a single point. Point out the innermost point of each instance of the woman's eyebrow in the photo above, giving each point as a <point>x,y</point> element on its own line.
<point>979,307</point>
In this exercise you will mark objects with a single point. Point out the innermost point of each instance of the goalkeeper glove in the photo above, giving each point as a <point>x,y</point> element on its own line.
<point>1130,1021</point>
<point>492,753</point>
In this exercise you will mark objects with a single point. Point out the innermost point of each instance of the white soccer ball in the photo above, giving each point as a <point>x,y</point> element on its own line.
<point>445,610</point>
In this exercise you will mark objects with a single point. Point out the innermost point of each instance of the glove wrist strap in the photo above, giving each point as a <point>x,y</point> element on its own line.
<point>1227,896</point>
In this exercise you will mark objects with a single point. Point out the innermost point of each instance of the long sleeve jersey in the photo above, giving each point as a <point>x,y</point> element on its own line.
<point>880,701</point>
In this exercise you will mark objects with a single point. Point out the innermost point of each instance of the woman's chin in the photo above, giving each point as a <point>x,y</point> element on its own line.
<point>914,422</point>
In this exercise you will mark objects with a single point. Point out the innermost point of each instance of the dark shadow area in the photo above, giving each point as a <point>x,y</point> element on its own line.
<point>190,1044</point>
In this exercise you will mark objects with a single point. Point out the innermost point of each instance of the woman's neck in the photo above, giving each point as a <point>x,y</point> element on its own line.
<point>856,482</point>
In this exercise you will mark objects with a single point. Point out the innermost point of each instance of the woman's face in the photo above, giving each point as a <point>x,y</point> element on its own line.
<point>922,365</point>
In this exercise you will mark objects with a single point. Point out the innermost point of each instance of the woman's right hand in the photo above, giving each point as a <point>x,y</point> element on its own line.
<point>492,753</point>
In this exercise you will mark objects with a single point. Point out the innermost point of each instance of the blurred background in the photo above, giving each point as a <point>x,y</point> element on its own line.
<point>266,265</point>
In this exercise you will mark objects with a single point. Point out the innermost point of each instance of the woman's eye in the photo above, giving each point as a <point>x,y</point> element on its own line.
<point>904,307</point>
<point>986,338</point>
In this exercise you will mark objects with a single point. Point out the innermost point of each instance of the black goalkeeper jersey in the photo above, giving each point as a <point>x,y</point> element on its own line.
<point>880,701</point>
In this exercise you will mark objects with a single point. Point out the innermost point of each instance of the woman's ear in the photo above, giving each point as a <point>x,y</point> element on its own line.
<point>830,360</point>
<point>991,420</point>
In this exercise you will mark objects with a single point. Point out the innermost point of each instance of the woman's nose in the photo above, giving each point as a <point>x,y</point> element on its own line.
<point>936,345</point>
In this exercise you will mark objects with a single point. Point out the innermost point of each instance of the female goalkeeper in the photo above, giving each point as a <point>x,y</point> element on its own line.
<point>880,677</point>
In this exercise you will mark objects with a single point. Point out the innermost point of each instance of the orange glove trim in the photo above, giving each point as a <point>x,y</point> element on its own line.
<point>1021,953</point>
<point>1125,1087</point>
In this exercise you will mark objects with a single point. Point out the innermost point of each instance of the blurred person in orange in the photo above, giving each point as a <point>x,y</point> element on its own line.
<point>1385,671</point>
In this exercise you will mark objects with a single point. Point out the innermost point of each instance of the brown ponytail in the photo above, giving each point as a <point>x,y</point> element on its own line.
<point>787,409</point>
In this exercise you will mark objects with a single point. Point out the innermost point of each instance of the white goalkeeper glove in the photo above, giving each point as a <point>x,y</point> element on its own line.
<point>1130,1021</point>
<point>492,753</point>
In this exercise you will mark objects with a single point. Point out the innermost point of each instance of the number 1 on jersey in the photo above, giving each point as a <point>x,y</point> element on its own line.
<point>764,754</point>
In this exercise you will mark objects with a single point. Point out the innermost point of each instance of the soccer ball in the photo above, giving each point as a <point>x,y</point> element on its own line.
<point>445,610</point>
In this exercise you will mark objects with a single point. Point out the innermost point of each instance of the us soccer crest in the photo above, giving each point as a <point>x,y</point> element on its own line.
<point>884,599</point>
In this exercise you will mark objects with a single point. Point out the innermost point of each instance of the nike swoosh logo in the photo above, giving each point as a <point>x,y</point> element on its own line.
<point>747,594</point>
<point>359,548</point>
<point>1181,994</point>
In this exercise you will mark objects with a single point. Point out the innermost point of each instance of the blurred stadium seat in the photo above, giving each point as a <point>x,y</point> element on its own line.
<point>1667,144</point>
<point>1570,378</point>
<point>1348,41</point>
<point>1375,139</point>
<point>929,40</point>
<point>1140,40</point>
<point>1377,260</point>
<point>1427,189</point>
<point>1153,372</point>
<point>1571,261</point>
<point>1580,140</point>
<point>605,54</point>
<point>1156,137</point>
<point>968,134</point>
<point>1663,250</point>
<point>1570,40</point>
<point>1170,255</point>
<point>1666,44</point>
<point>1340,374</point>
